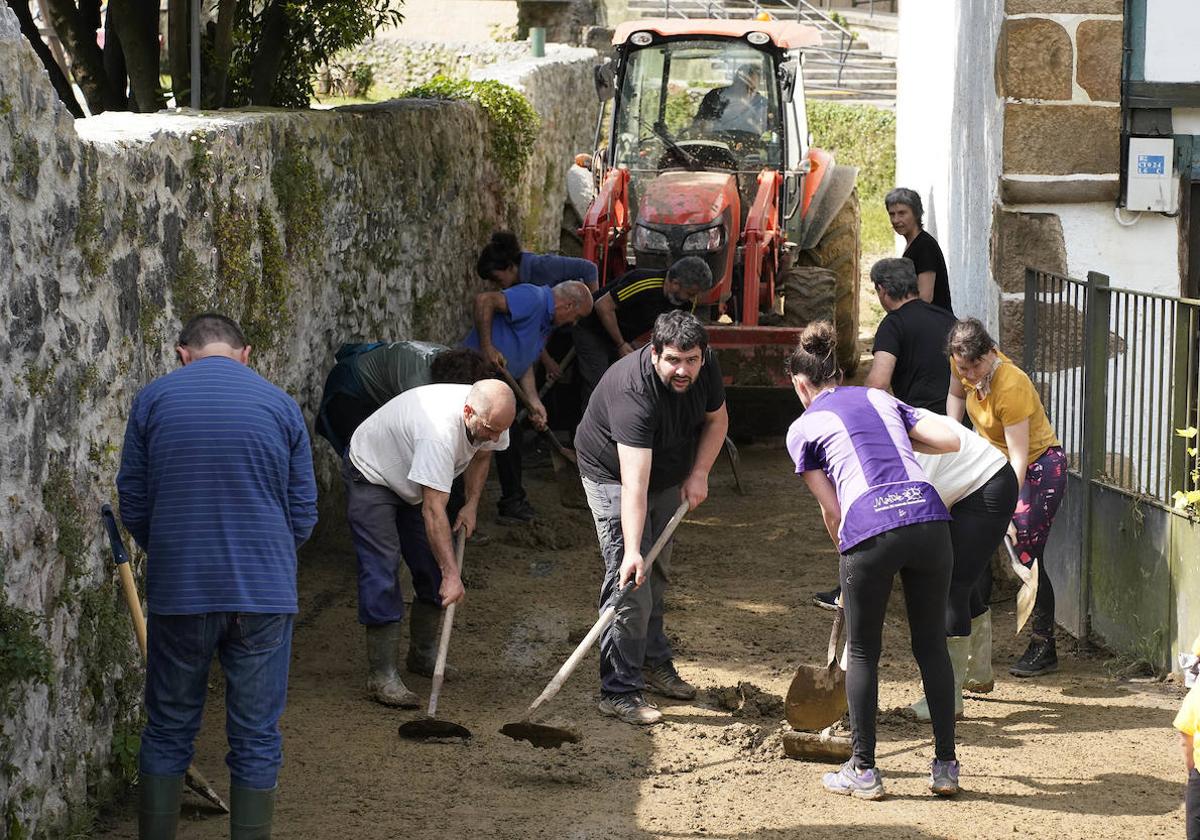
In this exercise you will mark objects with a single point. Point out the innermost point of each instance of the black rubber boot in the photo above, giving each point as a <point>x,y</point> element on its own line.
<point>424,623</point>
<point>158,806</point>
<point>1039,658</point>
<point>250,813</point>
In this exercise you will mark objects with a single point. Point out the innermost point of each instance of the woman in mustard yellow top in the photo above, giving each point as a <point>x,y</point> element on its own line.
<point>1007,411</point>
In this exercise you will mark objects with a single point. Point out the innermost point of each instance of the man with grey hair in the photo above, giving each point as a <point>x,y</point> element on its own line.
<point>909,350</point>
<point>625,312</point>
<point>511,328</point>
<point>398,472</point>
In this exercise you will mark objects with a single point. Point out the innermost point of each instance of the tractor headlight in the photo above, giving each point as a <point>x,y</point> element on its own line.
<point>645,239</point>
<point>704,240</point>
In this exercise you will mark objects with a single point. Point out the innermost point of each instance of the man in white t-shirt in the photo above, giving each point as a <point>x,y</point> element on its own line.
<point>398,471</point>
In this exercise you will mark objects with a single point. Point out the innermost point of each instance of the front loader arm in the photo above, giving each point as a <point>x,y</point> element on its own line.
<point>606,224</point>
<point>760,239</point>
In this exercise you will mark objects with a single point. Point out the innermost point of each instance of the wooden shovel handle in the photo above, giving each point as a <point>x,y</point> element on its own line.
<point>439,668</point>
<point>607,615</point>
<point>546,433</point>
<point>839,620</point>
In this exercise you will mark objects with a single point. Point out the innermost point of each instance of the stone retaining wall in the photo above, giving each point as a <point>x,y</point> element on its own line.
<point>311,228</point>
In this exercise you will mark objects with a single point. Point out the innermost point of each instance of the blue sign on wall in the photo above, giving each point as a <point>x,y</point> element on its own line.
<point>1151,164</point>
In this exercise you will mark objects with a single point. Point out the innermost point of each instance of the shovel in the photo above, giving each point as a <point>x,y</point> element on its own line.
<point>817,696</point>
<point>735,461</point>
<point>544,735</point>
<point>429,726</point>
<point>1028,575</point>
<point>193,778</point>
<point>550,437</point>
<point>567,359</point>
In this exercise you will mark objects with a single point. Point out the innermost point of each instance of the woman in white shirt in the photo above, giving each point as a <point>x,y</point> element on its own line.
<point>979,487</point>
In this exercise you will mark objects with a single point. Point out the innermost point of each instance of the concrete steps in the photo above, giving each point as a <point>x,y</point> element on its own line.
<point>862,76</point>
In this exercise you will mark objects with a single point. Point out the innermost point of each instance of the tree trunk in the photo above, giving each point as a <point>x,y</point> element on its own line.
<point>87,63</point>
<point>114,58</point>
<point>62,85</point>
<point>264,71</point>
<point>222,53</point>
<point>178,58</point>
<point>136,22</point>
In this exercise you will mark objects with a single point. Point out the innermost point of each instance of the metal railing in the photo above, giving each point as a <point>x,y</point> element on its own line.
<point>711,8</point>
<point>1119,372</point>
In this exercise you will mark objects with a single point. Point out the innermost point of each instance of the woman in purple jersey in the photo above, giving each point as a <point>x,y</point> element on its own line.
<point>853,447</point>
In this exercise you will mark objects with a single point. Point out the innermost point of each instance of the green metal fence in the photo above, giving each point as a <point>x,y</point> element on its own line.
<point>1119,373</point>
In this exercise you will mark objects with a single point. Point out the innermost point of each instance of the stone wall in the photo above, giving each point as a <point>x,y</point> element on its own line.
<point>311,228</point>
<point>399,63</point>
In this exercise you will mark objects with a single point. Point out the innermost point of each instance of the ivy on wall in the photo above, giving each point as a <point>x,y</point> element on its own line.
<point>514,123</point>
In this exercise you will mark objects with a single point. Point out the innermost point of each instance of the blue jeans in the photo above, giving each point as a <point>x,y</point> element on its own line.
<point>635,639</point>
<point>254,651</point>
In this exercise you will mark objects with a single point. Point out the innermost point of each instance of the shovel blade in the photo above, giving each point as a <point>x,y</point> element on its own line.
<point>199,785</point>
<point>425,729</point>
<point>1027,595</point>
<point>816,698</point>
<point>540,734</point>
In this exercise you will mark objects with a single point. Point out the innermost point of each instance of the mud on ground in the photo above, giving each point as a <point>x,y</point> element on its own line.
<point>1076,754</point>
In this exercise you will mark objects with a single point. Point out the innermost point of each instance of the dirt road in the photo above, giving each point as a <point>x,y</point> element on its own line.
<point>1077,754</point>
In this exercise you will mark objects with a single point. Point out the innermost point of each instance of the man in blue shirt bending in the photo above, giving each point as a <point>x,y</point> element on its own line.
<point>216,484</point>
<point>511,328</point>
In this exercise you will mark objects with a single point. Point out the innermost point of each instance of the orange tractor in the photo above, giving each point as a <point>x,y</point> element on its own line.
<point>705,152</point>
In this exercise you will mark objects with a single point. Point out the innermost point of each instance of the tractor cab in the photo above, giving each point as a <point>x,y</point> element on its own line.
<point>702,150</point>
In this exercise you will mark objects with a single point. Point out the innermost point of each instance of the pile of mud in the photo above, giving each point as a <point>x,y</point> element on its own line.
<point>746,700</point>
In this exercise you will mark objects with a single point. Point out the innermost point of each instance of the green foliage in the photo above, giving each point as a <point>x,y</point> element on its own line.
<point>89,233</point>
<point>24,656</point>
<point>315,31</point>
<point>252,286</point>
<point>862,136</point>
<point>513,122</point>
<point>124,754</point>
<point>62,502</point>
<point>301,199</point>
<point>1187,500</point>
<point>38,378</point>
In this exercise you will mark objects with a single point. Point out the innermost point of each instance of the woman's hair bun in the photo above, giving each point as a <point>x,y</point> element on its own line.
<point>818,338</point>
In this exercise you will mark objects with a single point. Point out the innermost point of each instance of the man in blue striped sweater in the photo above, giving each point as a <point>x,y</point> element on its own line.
<point>216,484</point>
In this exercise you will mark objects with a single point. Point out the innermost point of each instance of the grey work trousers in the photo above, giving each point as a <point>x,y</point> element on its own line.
<point>636,638</point>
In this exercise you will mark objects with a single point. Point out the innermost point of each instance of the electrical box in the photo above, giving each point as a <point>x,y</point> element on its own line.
<point>1151,184</point>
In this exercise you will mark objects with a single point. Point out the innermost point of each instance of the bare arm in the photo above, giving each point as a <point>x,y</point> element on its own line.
<point>825,494</point>
<point>882,369</point>
<point>1016,438</point>
<point>925,283</point>
<point>635,484</point>
<point>606,311</point>
<point>956,400</point>
<point>1185,744</point>
<point>487,304</point>
<point>437,531</point>
<point>934,437</point>
<point>537,411</point>
<point>712,438</point>
<point>473,480</point>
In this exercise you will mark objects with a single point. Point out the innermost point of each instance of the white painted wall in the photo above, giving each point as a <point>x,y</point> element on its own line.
<point>1172,32</point>
<point>948,137</point>
<point>1143,256</point>
<point>1185,120</point>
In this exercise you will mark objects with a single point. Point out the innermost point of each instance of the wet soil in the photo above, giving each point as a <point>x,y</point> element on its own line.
<point>1078,753</point>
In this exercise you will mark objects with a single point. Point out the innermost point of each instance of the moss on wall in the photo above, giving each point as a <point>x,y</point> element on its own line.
<point>89,233</point>
<point>301,198</point>
<point>24,656</point>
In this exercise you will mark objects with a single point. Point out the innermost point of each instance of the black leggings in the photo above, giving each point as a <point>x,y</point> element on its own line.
<point>980,521</point>
<point>923,556</point>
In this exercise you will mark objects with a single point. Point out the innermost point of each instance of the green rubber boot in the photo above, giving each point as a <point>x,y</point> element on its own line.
<point>958,647</point>
<point>383,680</point>
<point>980,678</point>
<point>424,624</point>
<point>250,813</point>
<point>158,806</point>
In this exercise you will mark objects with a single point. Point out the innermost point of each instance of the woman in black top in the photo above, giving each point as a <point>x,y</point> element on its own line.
<point>905,212</point>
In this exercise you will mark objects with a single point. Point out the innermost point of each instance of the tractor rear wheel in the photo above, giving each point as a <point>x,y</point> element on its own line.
<point>838,252</point>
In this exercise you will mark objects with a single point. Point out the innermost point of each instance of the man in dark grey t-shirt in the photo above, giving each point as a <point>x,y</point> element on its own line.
<point>910,343</point>
<point>647,441</point>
